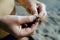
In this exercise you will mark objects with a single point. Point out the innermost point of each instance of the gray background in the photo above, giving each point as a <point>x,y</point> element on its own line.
<point>50,28</point>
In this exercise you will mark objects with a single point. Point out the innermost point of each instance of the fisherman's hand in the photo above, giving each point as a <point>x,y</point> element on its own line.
<point>12,24</point>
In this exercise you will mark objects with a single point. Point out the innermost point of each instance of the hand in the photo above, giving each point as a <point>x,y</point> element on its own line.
<point>29,5</point>
<point>14,25</point>
<point>34,7</point>
<point>41,9</point>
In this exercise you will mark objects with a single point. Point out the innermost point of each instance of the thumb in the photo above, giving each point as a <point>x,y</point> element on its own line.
<point>34,10</point>
<point>25,19</point>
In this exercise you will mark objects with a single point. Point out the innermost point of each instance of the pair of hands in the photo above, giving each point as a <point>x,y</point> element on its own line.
<point>14,22</point>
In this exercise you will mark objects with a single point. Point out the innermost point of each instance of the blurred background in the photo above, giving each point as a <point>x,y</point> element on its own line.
<point>50,28</point>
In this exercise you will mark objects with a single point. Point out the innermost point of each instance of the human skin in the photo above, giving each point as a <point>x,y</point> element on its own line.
<point>14,25</point>
<point>8,8</point>
<point>33,6</point>
<point>41,9</point>
<point>29,5</point>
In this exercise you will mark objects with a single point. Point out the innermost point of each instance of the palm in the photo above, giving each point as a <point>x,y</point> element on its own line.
<point>14,25</point>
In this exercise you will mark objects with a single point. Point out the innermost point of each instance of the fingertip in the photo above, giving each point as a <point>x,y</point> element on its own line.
<point>36,14</point>
<point>34,26</point>
<point>32,18</point>
<point>37,23</point>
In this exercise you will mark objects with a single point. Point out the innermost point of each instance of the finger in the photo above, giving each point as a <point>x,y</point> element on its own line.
<point>25,32</point>
<point>32,10</point>
<point>20,19</point>
<point>39,8</point>
<point>44,15</point>
<point>15,30</point>
<point>18,32</point>
<point>34,32</point>
<point>25,19</point>
<point>28,31</point>
<point>34,26</point>
<point>43,12</point>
